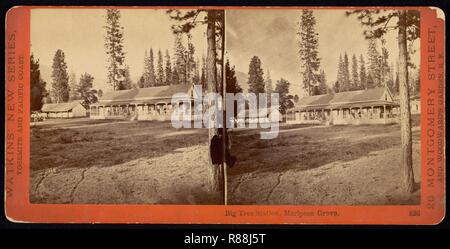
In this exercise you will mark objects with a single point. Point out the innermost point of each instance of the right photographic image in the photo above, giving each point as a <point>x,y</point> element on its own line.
<point>348,85</point>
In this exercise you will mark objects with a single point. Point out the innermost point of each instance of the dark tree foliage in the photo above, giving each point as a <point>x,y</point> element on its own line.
<point>60,78</point>
<point>308,51</point>
<point>255,76</point>
<point>285,100</point>
<point>37,86</point>
<point>168,70</point>
<point>232,85</point>
<point>88,95</point>
<point>114,49</point>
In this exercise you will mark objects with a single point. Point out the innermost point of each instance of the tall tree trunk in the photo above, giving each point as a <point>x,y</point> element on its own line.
<point>405,112</point>
<point>216,174</point>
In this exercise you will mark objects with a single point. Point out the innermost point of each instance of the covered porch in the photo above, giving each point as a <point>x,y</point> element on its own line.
<point>346,114</point>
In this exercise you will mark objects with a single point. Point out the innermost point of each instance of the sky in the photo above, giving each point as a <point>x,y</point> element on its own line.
<point>80,34</point>
<point>268,33</point>
<point>271,35</point>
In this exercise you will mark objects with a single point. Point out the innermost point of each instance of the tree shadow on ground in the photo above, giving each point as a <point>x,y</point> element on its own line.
<point>311,148</point>
<point>107,145</point>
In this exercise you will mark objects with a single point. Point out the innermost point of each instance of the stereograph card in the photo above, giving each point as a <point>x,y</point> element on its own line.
<point>225,115</point>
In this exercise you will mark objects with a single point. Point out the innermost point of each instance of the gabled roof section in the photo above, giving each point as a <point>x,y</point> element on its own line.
<point>373,94</point>
<point>315,100</point>
<point>60,107</point>
<point>345,98</point>
<point>142,94</point>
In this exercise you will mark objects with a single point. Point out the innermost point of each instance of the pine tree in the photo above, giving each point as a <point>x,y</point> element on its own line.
<point>160,70</point>
<point>396,84</point>
<point>370,82</point>
<point>390,80</point>
<point>374,65</point>
<point>362,73</point>
<point>114,49</point>
<point>168,77</point>
<point>146,73</point>
<point>286,100</point>
<point>308,50</point>
<point>255,76</point>
<point>60,78</point>
<point>336,87</point>
<point>37,86</point>
<point>323,87</point>
<point>232,84</point>
<point>85,89</point>
<point>355,77</point>
<point>346,74</point>
<point>141,82</point>
<point>180,59</point>
<point>127,82</point>
<point>175,77</point>
<point>268,83</point>
<point>203,73</point>
<point>151,70</point>
<point>340,75</point>
<point>73,87</point>
<point>384,67</point>
<point>191,63</point>
<point>196,76</point>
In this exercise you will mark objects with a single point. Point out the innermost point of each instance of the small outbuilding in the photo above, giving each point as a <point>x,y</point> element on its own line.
<point>71,109</point>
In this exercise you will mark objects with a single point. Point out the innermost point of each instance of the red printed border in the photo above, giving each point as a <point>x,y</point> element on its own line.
<point>19,209</point>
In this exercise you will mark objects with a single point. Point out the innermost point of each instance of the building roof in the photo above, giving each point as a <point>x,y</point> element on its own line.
<point>315,100</point>
<point>143,95</point>
<point>61,107</point>
<point>347,99</point>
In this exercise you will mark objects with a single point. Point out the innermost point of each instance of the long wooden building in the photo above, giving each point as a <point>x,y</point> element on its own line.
<point>152,103</point>
<point>371,106</point>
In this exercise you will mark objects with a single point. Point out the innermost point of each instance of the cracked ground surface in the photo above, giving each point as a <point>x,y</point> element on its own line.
<point>168,179</point>
<point>85,162</point>
<point>319,165</point>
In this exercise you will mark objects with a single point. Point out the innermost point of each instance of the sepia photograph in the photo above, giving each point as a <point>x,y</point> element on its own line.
<point>324,106</point>
<point>341,81</point>
<point>225,115</point>
<point>102,86</point>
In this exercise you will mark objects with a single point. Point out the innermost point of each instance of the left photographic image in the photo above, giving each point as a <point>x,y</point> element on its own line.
<point>102,87</point>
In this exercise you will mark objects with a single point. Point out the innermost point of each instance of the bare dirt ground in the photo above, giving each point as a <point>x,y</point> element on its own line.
<point>88,161</point>
<point>76,161</point>
<point>320,165</point>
